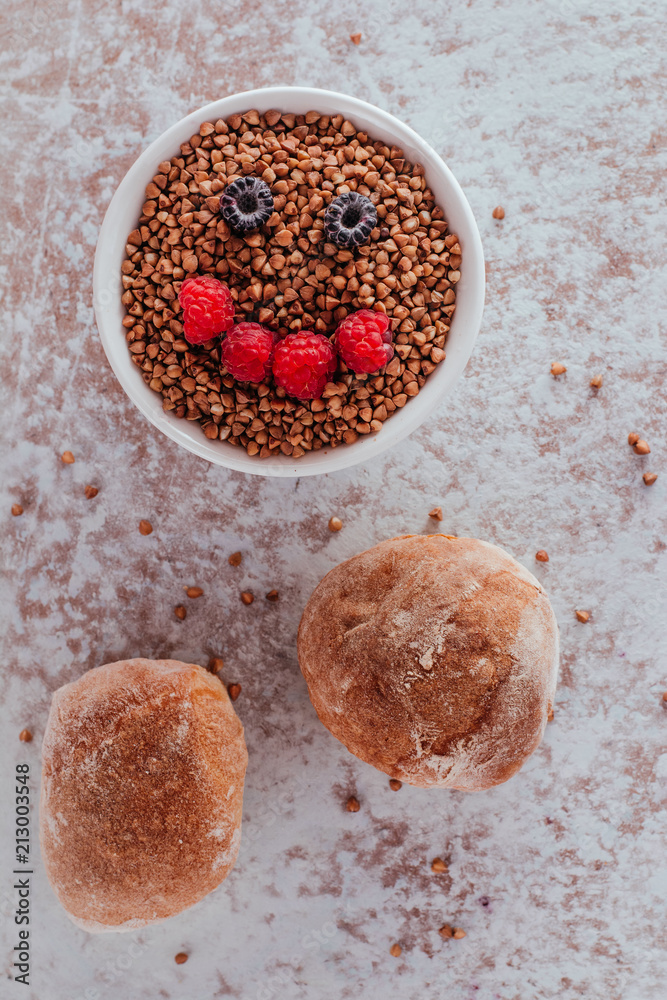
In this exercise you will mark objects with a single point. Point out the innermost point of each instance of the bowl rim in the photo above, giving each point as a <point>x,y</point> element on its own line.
<point>326,459</point>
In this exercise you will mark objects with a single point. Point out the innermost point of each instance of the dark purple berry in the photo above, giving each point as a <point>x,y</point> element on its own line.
<point>349,219</point>
<point>246,204</point>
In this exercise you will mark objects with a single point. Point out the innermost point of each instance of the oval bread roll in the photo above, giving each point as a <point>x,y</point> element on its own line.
<point>432,658</point>
<point>142,789</point>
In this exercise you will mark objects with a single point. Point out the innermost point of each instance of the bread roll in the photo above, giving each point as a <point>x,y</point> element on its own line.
<point>142,790</point>
<point>432,658</point>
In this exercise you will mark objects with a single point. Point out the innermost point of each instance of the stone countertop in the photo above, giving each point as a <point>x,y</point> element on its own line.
<point>555,111</point>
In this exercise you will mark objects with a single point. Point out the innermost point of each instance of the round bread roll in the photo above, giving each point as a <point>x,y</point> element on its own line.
<point>142,790</point>
<point>432,658</point>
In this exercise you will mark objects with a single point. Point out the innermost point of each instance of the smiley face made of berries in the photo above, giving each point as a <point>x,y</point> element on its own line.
<point>302,363</point>
<point>290,284</point>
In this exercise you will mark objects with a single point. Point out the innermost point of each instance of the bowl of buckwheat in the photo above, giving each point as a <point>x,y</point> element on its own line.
<point>288,281</point>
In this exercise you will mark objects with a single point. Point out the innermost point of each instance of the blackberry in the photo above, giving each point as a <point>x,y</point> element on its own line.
<point>349,219</point>
<point>246,203</point>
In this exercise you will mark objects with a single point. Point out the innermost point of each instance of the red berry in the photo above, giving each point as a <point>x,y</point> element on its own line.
<point>302,364</point>
<point>247,352</point>
<point>363,340</point>
<point>208,308</point>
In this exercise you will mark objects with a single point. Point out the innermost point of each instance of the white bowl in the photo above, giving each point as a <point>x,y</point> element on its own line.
<point>121,219</point>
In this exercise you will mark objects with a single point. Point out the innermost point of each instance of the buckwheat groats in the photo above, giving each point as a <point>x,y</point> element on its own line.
<point>142,791</point>
<point>432,658</point>
<point>327,181</point>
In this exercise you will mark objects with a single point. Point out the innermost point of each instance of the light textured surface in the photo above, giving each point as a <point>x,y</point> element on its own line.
<point>556,111</point>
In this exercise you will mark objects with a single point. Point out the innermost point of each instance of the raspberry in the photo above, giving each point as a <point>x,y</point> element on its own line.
<point>208,308</point>
<point>246,203</point>
<point>349,219</point>
<point>302,364</point>
<point>363,340</point>
<point>247,352</point>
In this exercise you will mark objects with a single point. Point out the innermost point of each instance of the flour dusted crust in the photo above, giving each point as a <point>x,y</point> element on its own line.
<point>142,790</point>
<point>432,658</point>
